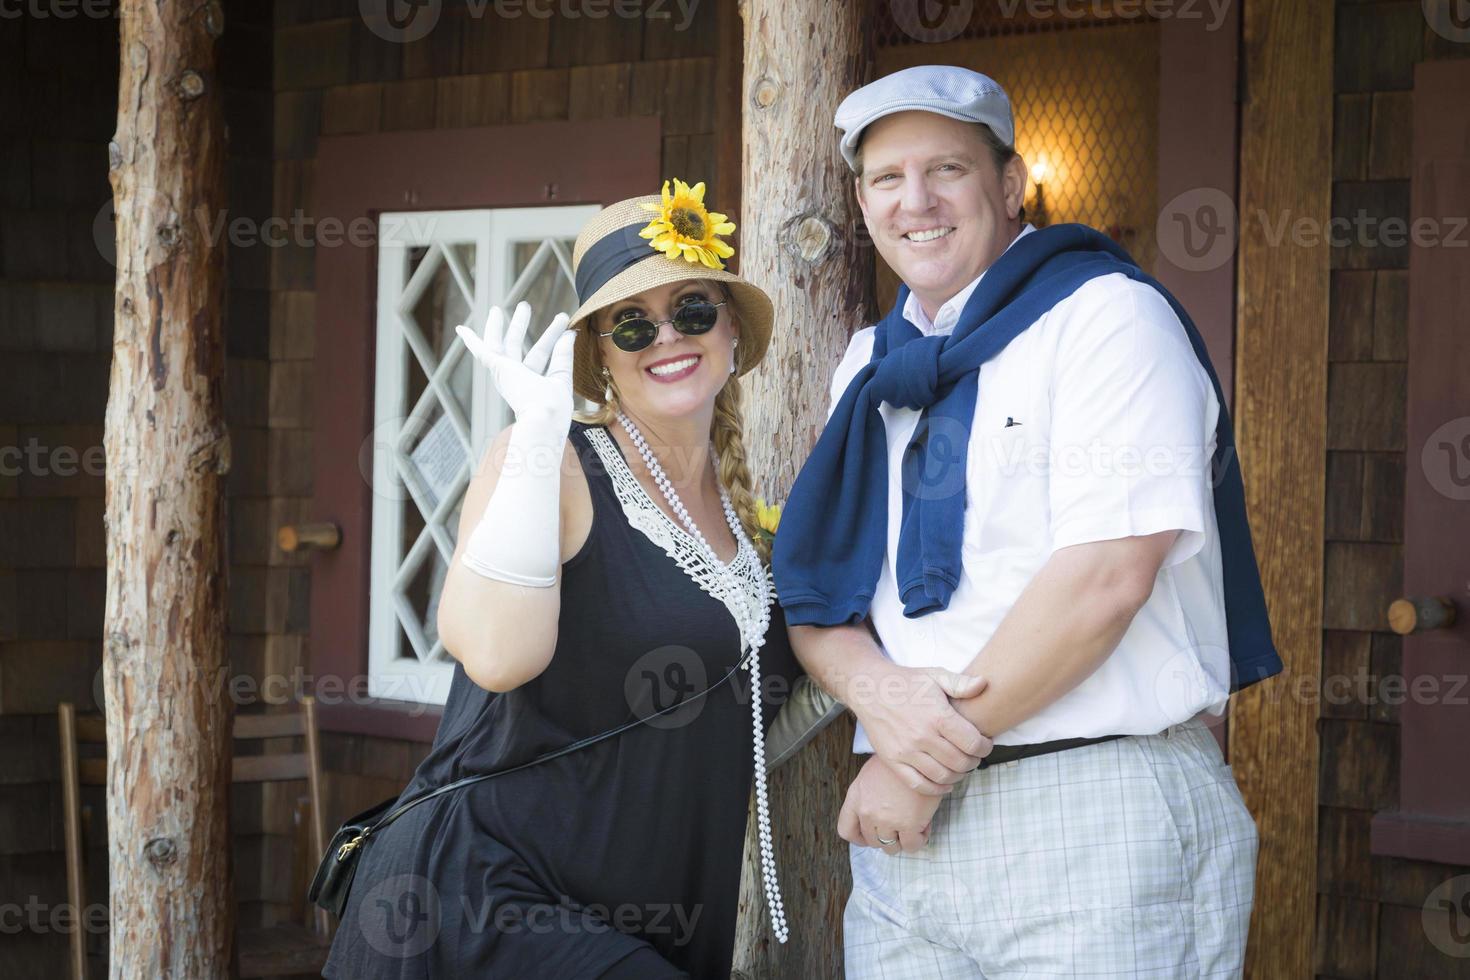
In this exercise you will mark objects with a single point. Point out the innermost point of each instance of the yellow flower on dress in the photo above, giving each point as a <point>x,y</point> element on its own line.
<point>684,228</point>
<point>768,516</point>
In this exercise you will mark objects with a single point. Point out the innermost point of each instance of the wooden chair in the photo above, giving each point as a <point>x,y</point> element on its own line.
<point>299,946</point>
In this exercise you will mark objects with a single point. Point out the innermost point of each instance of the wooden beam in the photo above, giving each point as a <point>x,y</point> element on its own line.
<point>1281,424</point>
<point>168,724</point>
<point>270,726</point>
<point>71,808</point>
<point>269,768</point>
<point>728,112</point>
<point>798,241</point>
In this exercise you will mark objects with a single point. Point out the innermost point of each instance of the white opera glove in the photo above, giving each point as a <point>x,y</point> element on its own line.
<point>518,539</point>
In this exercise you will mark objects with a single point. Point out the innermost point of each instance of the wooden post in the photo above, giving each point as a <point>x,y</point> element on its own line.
<point>799,240</point>
<point>168,722</point>
<point>1281,425</point>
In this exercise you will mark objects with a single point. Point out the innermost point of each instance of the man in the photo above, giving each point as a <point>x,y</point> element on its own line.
<point>1015,483</point>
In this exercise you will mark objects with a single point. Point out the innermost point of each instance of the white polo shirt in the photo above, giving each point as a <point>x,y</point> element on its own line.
<point>1096,423</point>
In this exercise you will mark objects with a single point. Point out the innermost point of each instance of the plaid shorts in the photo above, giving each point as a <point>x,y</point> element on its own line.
<point>1129,858</point>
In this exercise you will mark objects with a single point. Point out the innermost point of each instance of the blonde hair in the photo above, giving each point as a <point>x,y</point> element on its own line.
<point>727,433</point>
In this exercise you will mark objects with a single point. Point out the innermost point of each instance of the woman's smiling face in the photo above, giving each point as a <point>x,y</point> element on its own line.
<point>678,374</point>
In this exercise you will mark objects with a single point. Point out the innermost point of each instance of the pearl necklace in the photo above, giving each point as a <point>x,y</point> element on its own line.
<point>753,625</point>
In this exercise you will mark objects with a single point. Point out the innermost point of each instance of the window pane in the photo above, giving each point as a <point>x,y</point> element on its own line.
<point>541,282</point>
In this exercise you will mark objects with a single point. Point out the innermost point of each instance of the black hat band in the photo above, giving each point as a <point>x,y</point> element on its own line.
<point>610,255</point>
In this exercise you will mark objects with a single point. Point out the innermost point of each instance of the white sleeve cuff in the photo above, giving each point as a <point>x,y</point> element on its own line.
<point>1187,521</point>
<point>490,571</point>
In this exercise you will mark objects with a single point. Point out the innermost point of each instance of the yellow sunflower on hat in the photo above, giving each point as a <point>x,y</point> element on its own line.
<point>685,228</point>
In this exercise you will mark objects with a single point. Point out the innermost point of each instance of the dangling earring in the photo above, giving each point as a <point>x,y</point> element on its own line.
<point>607,388</point>
<point>734,344</point>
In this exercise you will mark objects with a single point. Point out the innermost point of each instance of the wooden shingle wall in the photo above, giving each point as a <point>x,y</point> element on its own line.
<point>56,114</point>
<point>1369,908</point>
<point>58,73</point>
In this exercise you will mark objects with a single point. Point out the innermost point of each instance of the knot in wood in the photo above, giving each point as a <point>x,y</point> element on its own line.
<point>765,93</point>
<point>214,19</point>
<point>114,155</point>
<point>168,232</point>
<point>161,852</point>
<point>191,85</point>
<point>213,457</point>
<point>809,237</point>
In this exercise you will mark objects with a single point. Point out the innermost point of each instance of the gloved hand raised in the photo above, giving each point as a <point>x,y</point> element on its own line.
<point>517,538</point>
<point>538,386</point>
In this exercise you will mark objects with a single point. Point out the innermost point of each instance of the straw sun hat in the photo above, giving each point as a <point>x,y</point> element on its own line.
<point>645,242</point>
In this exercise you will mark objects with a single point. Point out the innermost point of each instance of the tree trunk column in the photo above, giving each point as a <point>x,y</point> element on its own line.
<point>799,241</point>
<point>168,721</point>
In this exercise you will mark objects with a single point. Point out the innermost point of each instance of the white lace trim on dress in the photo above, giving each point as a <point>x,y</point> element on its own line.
<point>648,518</point>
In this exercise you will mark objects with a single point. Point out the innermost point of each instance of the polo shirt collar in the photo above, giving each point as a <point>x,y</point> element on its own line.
<point>949,313</point>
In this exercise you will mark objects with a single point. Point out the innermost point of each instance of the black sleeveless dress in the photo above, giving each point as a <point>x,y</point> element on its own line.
<point>574,865</point>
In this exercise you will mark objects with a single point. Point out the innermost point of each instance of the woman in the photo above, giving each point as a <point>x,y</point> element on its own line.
<point>604,571</point>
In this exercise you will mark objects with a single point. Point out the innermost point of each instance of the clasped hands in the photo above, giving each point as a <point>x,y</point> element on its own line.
<point>923,747</point>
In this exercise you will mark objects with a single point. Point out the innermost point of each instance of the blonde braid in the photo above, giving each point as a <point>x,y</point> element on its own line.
<point>727,431</point>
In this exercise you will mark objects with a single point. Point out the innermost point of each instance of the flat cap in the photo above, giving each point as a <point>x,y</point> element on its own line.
<point>949,91</point>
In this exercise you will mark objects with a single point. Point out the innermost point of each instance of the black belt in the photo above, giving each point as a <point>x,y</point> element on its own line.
<point>1010,753</point>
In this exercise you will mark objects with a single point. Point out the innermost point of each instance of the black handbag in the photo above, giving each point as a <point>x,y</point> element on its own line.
<point>333,879</point>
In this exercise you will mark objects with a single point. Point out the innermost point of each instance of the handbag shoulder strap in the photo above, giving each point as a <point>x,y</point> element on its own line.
<point>582,743</point>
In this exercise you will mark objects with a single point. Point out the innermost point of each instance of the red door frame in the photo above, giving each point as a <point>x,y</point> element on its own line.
<point>358,178</point>
<point>1198,176</point>
<point>1432,822</point>
<point>1199,146</point>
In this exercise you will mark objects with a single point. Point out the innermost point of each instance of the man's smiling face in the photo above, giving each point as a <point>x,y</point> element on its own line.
<point>939,210</point>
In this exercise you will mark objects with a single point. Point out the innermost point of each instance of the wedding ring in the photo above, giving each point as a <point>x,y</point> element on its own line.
<point>886,842</point>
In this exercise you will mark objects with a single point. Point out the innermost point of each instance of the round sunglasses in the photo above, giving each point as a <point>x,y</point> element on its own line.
<point>691,320</point>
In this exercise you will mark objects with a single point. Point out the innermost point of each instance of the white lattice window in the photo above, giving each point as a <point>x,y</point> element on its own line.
<point>435,411</point>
